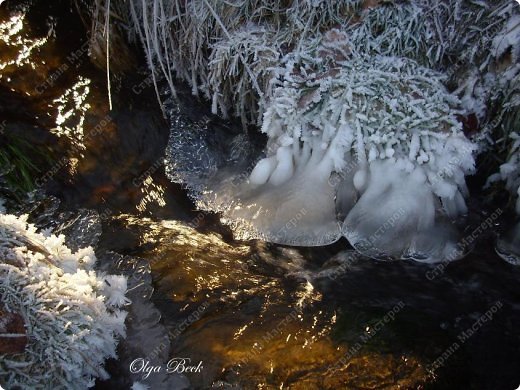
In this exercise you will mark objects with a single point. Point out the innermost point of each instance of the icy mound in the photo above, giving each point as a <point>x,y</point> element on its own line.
<point>70,315</point>
<point>400,216</point>
<point>344,136</point>
<point>294,207</point>
<point>387,128</point>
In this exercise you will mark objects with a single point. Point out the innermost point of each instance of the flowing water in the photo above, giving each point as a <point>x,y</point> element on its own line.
<point>258,315</point>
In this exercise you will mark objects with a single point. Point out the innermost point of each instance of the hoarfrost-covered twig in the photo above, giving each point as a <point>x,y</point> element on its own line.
<point>72,320</point>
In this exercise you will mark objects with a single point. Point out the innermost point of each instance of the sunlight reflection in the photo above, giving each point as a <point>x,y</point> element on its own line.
<point>11,35</point>
<point>153,193</point>
<point>72,108</point>
<point>258,328</point>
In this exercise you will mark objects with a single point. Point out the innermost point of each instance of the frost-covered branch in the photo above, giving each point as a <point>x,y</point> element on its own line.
<point>72,314</point>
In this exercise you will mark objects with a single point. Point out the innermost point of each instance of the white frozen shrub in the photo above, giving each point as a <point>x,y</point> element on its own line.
<point>347,91</point>
<point>373,121</point>
<point>72,314</point>
<point>375,107</point>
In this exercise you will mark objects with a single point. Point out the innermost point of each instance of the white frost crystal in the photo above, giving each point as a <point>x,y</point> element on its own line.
<point>115,290</point>
<point>72,314</point>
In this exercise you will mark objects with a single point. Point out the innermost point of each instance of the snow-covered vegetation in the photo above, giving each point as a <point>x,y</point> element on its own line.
<point>371,108</point>
<point>72,315</point>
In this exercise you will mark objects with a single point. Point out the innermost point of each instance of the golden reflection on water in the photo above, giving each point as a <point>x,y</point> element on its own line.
<point>261,330</point>
<point>72,107</point>
<point>24,65</point>
<point>151,193</point>
<point>16,48</point>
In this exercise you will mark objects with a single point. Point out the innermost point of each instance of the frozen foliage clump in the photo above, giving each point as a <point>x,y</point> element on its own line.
<point>465,32</point>
<point>376,108</point>
<point>476,44</point>
<point>72,314</point>
<point>507,99</point>
<point>384,125</point>
<point>436,34</point>
<point>495,80</point>
<point>364,102</point>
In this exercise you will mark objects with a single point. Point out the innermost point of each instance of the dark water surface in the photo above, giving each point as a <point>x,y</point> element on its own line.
<point>259,316</point>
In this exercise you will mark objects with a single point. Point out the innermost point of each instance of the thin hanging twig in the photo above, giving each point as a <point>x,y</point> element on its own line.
<point>107,33</point>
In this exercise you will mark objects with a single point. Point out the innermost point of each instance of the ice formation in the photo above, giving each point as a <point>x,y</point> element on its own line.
<point>362,103</point>
<point>73,316</point>
<point>387,128</point>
